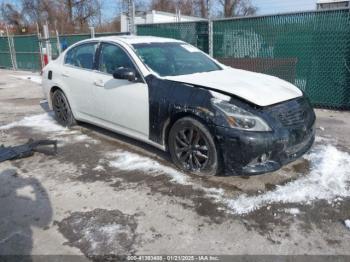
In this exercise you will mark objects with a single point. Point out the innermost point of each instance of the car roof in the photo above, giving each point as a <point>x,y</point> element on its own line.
<point>133,39</point>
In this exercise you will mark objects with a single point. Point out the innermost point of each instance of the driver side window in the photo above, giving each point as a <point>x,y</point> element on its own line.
<point>113,57</point>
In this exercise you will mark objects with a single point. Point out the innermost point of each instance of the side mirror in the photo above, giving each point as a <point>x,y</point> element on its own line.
<point>124,73</point>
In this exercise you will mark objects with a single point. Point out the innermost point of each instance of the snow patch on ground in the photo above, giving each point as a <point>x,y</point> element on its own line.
<point>46,123</point>
<point>43,122</point>
<point>34,78</point>
<point>128,161</point>
<point>347,223</point>
<point>292,211</point>
<point>217,194</point>
<point>321,139</point>
<point>86,138</point>
<point>108,233</point>
<point>329,179</point>
<point>99,168</point>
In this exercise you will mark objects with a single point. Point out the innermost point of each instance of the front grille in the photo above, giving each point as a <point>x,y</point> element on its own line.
<point>296,112</point>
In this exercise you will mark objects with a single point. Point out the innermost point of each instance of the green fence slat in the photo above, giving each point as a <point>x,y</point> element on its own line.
<point>72,39</point>
<point>27,52</point>
<point>5,57</point>
<point>310,49</point>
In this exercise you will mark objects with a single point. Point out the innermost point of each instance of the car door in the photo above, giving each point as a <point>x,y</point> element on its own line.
<point>119,102</point>
<point>77,75</point>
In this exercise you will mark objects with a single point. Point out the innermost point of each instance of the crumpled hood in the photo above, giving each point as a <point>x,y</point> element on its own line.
<point>259,89</point>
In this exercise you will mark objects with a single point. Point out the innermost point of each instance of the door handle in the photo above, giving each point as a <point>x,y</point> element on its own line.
<point>65,75</point>
<point>99,83</point>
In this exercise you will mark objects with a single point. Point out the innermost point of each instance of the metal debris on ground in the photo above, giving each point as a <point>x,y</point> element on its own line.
<point>27,150</point>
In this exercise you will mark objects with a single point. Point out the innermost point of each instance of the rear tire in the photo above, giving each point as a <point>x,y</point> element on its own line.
<point>61,107</point>
<point>192,147</point>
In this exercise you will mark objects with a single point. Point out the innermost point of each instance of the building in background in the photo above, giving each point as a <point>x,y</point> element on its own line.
<point>154,17</point>
<point>331,4</point>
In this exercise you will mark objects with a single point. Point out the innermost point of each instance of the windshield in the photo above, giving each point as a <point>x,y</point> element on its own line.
<point>172,59</point>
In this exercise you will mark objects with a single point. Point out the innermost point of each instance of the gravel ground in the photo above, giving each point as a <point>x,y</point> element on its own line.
<point>107,194</point>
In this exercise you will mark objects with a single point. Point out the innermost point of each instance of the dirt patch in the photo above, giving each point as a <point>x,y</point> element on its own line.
<point>21,101</point>
<point>161,184</point>
<point>273,221</point>
<point>100,232</point>
<point>331,121</point>
<point>268,222</point>
<point>302,166</point>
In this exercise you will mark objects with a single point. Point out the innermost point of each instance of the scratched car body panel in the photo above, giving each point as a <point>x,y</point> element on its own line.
<point>213,119</point>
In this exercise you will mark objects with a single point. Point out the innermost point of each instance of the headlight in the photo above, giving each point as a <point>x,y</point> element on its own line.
<point>240,118</point>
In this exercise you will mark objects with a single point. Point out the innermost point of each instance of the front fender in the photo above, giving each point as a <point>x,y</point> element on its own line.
<point>171,100</point>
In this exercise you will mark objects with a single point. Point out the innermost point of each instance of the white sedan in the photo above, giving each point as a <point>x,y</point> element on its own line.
<point>213,119</point>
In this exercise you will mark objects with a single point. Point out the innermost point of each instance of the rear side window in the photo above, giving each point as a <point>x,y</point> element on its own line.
<point>82,56</point>
<point>113,57</point>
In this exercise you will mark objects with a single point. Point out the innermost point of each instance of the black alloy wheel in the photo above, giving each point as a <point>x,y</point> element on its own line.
<point>192,147</point>
<point>63,112</point>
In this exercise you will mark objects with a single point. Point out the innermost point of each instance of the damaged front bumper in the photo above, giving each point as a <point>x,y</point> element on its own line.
<point>254,153</point>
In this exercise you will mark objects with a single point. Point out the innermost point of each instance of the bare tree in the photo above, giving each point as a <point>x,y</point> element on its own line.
<point>237,7</point>
<point>203,8</point>
<point>140,5</point>
<point>40,11</point>
<point>85,11</point>
<point>12,16</point>
<point>163,5</point>
<point>186,7</point>
<point>69,4</point>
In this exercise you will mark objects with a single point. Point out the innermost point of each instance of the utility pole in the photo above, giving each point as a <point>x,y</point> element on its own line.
<point>131,16</point>
<point>40,39</point>
<point>99,13</point>
<point>11,49</point>
<point>210,28</point>
<point>47,42</point>
<point>92,32</point>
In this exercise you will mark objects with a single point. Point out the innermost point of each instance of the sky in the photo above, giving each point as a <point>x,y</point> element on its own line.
<point>264,6</point>
<point>283,6</point>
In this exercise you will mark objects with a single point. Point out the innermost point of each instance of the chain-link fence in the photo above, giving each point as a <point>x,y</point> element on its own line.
<point>195,33</point>
<point>5,54</point>
<point>309,49</point>
<point>25,51</point>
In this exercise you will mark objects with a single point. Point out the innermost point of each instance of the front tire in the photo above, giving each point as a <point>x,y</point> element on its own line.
<point>61,107</point>
<point>192,147</point>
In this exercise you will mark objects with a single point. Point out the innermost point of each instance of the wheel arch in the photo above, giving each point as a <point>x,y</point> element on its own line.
<point>207,123</point>
<point>50,94</point>
<point>55,88</point>
<point>182,114</point>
